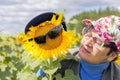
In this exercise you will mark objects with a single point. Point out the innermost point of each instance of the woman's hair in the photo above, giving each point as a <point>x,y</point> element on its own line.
<point>113,47</point>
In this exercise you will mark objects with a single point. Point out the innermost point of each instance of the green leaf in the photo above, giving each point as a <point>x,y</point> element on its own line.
<point>7,60</point>
<point>27,68</point>
<point>39,78</point>
<point>7,49</point>
<point>1,39</point>
<point>5,74</point>
<point>51,71</point>
<point>1,49</point>
<point>26,76</point>
<point>69,75</point>
<point>44,78</point>
<point>58,77</point>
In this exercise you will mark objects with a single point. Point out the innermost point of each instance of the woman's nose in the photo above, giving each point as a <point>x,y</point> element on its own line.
<point>89,42</point>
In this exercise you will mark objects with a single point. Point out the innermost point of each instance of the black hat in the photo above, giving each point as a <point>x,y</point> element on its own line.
<point>42,18</point>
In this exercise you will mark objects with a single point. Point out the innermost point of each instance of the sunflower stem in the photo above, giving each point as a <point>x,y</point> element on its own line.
<point>50,77</point>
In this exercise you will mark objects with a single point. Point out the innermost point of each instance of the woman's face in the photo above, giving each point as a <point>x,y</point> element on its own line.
<point>91,49</point>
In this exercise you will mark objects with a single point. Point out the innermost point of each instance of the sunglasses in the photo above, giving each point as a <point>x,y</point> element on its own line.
<point>52,34</point>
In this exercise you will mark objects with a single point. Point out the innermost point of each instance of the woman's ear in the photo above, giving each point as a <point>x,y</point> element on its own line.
<point>112,56</point>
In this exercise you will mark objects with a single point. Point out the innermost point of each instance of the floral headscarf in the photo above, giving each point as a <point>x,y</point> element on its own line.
<point>108,28</point>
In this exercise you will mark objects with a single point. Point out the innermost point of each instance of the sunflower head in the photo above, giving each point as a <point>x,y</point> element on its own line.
<point>46,36</point>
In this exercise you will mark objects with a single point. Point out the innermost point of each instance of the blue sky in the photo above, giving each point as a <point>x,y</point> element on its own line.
<point>15,14</point>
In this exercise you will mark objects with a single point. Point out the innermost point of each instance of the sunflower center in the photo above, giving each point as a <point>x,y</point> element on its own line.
<point>51,43</point>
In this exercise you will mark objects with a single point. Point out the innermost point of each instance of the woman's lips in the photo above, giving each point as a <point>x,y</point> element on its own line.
<point>85,50</point>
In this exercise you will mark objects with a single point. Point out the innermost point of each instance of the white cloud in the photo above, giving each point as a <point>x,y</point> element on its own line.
<point>15,14</point>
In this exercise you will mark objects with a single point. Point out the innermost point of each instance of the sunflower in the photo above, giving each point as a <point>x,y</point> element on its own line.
<point>118,60</point>
<point>52,48</point>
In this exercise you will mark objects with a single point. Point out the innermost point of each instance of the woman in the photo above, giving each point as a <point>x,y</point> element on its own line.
<point>98,50</point>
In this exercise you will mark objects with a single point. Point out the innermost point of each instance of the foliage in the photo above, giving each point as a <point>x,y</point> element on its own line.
<point>50,67</point>
<point>75,21</point>
<point>10,58</point>
<point>69,75</point>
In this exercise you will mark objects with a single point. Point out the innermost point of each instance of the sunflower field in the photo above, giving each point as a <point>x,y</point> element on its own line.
<point>16,63</point>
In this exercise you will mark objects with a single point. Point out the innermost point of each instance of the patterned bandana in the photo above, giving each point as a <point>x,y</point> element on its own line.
<point>108,28</point>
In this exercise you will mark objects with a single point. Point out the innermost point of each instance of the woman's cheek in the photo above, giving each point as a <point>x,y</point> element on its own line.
<point>83,40</point>
<point>96,50</point>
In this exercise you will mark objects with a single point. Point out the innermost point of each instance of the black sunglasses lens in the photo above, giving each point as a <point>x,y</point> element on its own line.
<point>54,34</point>
<point>40,39</point>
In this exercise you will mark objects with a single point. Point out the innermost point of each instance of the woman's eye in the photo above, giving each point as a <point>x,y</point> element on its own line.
<point>99,41</point>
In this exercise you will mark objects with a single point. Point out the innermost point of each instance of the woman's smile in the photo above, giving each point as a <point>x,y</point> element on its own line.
<point>85,50</point>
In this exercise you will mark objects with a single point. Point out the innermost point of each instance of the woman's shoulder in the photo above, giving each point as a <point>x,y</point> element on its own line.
<point>112,72</point>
